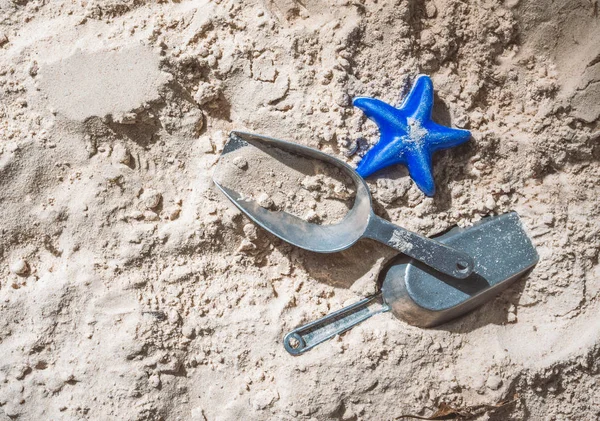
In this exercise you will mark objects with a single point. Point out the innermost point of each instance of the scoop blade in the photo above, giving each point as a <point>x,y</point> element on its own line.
<point>314,237</point>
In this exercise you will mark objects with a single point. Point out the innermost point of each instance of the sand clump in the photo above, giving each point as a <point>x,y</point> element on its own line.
<point>282,181</point>
<point>132,289</point>
<point>87,84</point>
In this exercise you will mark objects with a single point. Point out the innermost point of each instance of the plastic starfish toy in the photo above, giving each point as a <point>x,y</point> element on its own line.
<point>407,135</point>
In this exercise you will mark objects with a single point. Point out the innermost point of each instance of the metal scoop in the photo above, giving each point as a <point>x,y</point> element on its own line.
<point>359,222</point>
<point>423,297</point>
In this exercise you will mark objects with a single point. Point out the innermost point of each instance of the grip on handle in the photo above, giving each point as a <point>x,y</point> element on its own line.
<point>308,336</point>
<point>434,254</point>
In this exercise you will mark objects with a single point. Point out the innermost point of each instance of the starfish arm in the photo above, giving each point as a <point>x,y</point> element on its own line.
<point>440,137</point>
<point>387,118</point>
<point>419,166</point>
<point>419,102</point>
<point>388,151</point>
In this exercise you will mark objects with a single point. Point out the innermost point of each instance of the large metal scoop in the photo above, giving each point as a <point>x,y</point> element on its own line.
<point>359,222</point>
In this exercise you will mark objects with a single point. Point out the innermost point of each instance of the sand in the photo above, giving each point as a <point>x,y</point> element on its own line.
<point>131,289</point>
<point>280,181</point>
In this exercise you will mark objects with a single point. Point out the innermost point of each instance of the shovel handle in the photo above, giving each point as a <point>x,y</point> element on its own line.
<point>310,335</point>
<point>434,254</point>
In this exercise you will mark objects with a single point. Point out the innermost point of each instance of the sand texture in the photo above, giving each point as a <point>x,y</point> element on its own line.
<point>280,181</point>
<point>132,289</point>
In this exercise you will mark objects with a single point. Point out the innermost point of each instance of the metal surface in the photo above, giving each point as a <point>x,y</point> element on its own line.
<point>423,297</point>
<point>308,336</point>
<point>502,251</point>
<point>359,222</point>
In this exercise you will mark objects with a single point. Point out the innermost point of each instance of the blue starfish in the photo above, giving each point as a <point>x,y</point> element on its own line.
<point>407,135</point>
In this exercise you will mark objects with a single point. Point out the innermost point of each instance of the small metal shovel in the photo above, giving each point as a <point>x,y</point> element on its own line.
<point>423,297</point>
<point>446,277</point>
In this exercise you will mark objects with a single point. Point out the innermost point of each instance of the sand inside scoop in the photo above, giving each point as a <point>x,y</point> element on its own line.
<point>278,180</point>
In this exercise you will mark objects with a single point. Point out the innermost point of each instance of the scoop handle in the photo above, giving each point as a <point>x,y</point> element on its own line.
<point>434,254</point>
<point>310,335</point>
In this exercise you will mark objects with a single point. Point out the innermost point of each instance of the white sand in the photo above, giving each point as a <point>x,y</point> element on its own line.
<point>131,289</point>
